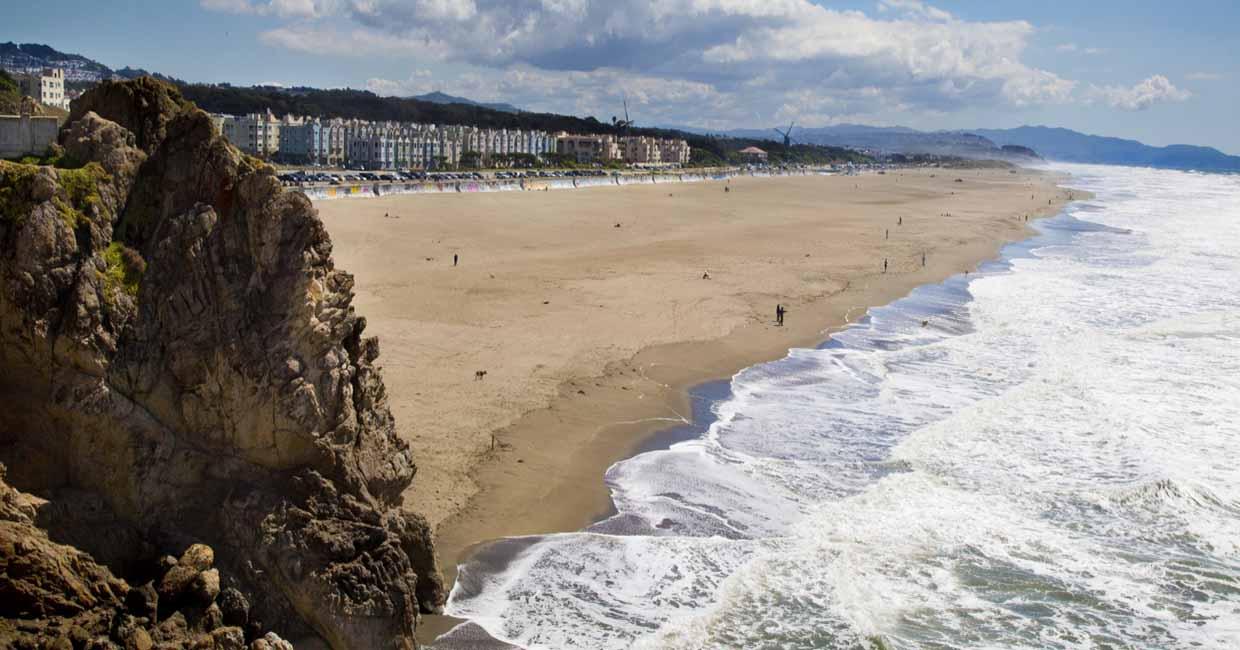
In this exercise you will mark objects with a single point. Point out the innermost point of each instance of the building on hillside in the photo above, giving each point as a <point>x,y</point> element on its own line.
<point>402,145</point>
<point>588,148</point>
<point>753,155</point>
<point>47,87</point>
<point>674,152</point>
<point>640,149</point>
<point>26,134</point>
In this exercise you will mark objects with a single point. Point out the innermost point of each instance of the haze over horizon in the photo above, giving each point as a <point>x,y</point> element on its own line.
<point>1158,76</point>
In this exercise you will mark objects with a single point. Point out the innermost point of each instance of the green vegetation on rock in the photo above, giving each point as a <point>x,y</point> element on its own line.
<point>125,268</point>
<point>15,186</point>
<point>77,198</point>
<point>82,189</point>
<point>55,157</point>
<point>10,96</point>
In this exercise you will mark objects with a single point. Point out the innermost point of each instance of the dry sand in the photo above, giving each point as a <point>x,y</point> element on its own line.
<point>590,334</point>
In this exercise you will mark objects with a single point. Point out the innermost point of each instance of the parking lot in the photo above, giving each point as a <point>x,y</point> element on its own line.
<point>304,177</point>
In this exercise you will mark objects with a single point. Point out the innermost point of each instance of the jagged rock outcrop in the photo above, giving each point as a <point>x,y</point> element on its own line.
<point>56,596</point>
<point>179,352</point>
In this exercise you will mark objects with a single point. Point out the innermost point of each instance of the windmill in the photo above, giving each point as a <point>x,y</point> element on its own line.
<point>787,134</point>
<point>623,125</point>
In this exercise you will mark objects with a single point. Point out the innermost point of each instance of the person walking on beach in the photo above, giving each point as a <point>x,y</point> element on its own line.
<point>779,315</point>
<point>900,222</point>
<point>884,265</point>
<point>455,259</point>
<point>923,259</point>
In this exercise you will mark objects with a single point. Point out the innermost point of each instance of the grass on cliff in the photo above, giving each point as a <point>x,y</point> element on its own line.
<point>77,196</point>
<point>15,185</point>
<point>125,268</point>
<point>82,187</point>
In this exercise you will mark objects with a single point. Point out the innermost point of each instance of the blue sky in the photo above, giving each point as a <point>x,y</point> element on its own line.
<point>1154,71</point>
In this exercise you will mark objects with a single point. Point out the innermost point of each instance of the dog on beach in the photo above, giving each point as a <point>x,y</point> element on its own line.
<point>479,374</point>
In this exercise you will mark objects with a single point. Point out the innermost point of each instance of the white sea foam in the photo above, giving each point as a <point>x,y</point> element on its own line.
<point>1053,462</point>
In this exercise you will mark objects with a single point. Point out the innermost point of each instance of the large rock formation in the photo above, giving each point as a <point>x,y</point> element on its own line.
<point>179,363</point>
<point>56,596</point>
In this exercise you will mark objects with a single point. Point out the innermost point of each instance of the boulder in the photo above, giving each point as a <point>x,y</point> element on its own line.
<point>53,595</point>
<point>199,557</point>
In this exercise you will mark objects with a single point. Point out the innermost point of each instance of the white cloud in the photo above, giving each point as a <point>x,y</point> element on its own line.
<point>420,81</point>
<point>652,100</point>
<point>1073,47</point>
<point>746,59</point>
<point>913,8</point>
<point>1154,90</point>
<point>355,42</point>
<point>281,8</point>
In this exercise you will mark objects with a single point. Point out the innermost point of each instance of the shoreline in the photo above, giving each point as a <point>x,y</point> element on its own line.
<point>666,378</point>
<point>592,336</point>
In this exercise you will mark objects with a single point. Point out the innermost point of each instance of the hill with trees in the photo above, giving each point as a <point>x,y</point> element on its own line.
<point>361,104</point>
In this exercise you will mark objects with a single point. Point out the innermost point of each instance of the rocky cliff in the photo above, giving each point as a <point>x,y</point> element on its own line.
<point>56,596</point>
<point>180,363</point>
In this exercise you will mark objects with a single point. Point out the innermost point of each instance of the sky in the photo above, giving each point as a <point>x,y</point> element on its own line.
<point>1158,72</point>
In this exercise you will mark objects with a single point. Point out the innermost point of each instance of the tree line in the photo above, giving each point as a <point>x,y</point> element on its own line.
<point>346,103</point>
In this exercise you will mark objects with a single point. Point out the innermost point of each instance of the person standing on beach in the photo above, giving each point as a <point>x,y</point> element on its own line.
<point>923,259</point>
<point>779,315</point>
<point>900,222</point>
<point>455,259</point>
<point>884,265</point>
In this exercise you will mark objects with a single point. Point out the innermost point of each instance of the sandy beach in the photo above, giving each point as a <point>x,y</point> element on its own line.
<point>592,311</point>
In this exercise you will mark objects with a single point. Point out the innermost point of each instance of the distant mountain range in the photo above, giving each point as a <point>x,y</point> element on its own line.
<point>1071,146</point>
<point>444,98</point>
<point>1050,143</point>
<point>898,140</point>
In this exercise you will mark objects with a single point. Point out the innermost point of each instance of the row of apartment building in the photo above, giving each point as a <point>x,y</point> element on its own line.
<point>395,145</point>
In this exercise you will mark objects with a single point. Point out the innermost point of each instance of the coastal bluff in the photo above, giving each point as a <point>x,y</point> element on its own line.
<point>180,365</point>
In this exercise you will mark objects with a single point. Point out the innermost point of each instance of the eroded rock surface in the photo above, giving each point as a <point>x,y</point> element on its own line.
<point>56,596</point>
<point>180,355</point>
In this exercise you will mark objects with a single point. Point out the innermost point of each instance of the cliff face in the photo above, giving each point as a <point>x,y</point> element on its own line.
<point>179,350</point>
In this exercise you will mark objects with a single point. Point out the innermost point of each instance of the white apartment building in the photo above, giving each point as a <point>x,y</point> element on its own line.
<point>257,134</point>
<point>47,88</point>
<point>674,151</point>
<point>395,145</point>
<point>640,149</point>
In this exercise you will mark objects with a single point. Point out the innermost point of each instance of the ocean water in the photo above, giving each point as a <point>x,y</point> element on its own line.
<point>1053,461</point>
